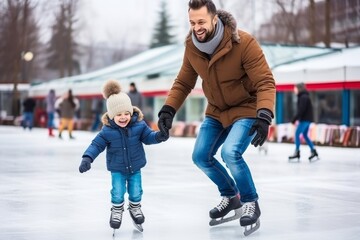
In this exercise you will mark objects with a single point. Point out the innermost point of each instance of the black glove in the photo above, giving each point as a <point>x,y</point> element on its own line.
<point>166,116</point>
<point>85,164</point>
<point>261,127</point>
<point>162,136</point>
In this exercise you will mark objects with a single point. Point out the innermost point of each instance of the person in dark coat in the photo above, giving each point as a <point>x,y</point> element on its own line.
<point>123,134</point>
<point>135,96</point>
<point>304,115</point>
<point>28,113</point>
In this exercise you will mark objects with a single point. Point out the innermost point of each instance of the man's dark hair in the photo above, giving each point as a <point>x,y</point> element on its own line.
<point>197,4</point>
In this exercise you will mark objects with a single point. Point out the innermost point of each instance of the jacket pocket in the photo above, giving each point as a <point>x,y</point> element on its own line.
<point>234,92</point>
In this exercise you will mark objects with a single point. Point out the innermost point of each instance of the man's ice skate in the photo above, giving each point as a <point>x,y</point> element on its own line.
<point>295,157</point>
<point>116,216</point>
<point>218,214</point>
<point>314,156</point>
<point>136,215</point>
<point>250,217</point>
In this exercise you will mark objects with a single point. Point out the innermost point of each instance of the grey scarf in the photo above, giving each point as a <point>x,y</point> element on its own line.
<point>210,46</point>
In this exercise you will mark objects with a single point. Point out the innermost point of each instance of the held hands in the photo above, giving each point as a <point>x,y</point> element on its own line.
<point>261,127</point>
<point>162,136</point>
<point>85,164</point>
<point>166,116</point>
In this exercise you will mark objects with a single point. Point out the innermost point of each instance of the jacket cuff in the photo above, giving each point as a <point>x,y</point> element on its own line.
<point>265,114</point>
<point>87,158</point>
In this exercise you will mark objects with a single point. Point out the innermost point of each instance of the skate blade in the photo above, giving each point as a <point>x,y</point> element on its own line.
<point>314,159</point>
<point>252,228</point>
<point>138,227</point>
<point>294,160</point>
<point>217,221</point>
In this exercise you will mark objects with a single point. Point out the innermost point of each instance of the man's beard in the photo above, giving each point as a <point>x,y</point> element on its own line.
<point>208,34</point>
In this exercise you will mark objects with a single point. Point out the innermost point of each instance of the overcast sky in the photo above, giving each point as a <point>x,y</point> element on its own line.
<point>126,22</point>
<point>111,20</point>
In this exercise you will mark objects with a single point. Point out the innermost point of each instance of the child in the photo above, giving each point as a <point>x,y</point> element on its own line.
<point>123,133</point>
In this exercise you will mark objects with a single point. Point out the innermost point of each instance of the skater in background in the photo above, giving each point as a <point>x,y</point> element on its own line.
<point>97,109</point>
<point>304,115</point>
<point>28,113</point>
<point>135,96</point>
<point>50,111</point>
<point>240,90</point>
<point>67,107</point>
<point>123,134</point>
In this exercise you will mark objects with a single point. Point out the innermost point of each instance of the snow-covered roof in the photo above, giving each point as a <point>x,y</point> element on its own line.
<point>160,65</point>
<point>341,65</point>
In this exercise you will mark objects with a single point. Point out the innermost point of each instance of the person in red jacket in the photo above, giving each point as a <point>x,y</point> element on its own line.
<point>240,90</point>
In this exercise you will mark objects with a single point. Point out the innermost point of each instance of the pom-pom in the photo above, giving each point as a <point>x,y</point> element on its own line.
<point>111,87</point>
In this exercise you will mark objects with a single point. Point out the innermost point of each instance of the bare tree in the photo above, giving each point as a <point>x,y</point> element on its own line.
<point>18,34</point>
<point>312,21</point>
<point>327,37</point>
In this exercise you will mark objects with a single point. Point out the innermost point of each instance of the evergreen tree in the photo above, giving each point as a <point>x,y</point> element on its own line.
<point>162,35</point>
<point>62,46</point>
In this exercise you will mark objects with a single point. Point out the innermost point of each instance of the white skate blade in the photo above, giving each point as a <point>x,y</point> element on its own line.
<point>294,160</point>
<point>314,159</point>
<point>138,227</point>
<point>114,233</point>
<point>217,221</point>
<point>252,228</point>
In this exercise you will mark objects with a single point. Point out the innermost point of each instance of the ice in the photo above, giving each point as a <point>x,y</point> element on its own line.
<point>43,195</point>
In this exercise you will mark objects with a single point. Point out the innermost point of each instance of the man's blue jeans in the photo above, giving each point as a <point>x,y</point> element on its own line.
<point>303,128</point>
<point>234,140</point>
<point>121,183</point>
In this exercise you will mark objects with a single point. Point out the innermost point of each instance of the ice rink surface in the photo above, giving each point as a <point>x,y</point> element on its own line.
<point>43,196</point>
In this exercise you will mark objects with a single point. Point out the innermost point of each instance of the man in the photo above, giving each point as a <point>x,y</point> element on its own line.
<point>240,91</point>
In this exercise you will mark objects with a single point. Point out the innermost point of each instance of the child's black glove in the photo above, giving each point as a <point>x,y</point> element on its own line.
<point>162,136</point>
<point>85,164</point>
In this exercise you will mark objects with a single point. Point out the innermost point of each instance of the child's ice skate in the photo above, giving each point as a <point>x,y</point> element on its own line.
<point>136,215</point>
<point>314,156</point>
<point>219,213</point>
<point>250,217</point>
<point>295,157</point>
<point>116,216</point>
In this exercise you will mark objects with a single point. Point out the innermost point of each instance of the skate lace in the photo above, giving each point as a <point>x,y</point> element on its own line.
<point>116,214</point>
<point>223,204</point>
<point>136,211</point>
<point>248,209</point>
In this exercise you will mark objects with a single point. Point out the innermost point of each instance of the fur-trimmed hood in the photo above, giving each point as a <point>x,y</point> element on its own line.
<point>137,111</point>
<point>229,21</point>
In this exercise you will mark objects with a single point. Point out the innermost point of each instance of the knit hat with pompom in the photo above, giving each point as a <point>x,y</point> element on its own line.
<point>116,101</point>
